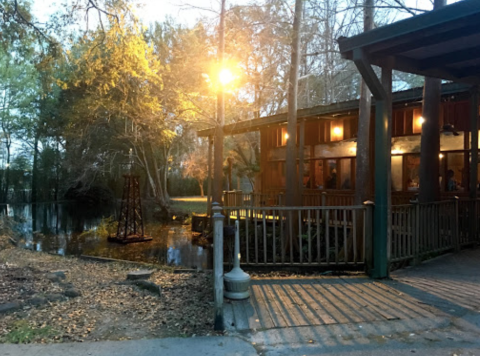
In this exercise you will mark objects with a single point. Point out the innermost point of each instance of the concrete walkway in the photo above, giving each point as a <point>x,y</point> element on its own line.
<point>446,291</point>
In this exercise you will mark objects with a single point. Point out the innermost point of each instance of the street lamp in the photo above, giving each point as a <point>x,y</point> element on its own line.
<point>225,77</point>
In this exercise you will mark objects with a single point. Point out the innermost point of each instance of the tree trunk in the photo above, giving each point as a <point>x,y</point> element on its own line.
<point>430,141</point>
<point>200,184</point>
<point>291,159</point>
<point>35,182</point>
<point>363,177</point>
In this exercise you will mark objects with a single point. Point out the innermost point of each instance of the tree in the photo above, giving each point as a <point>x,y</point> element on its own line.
<point>196,167</point>
<point>430,141</point>
<point>363,176</point>
<point>291,176</point>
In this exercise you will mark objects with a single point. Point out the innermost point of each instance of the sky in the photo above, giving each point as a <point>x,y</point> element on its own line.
<point>185,12</point>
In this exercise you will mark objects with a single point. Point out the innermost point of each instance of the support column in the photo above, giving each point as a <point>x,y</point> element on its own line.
<point>474,143</point>
<point>382,222</point>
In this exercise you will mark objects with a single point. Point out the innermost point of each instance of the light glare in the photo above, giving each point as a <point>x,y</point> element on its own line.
<point>225,76</point>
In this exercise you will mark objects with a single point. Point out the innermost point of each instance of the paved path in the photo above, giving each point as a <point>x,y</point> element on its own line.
<point>435,311</point>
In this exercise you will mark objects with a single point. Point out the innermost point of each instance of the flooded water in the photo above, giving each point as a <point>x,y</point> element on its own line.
<point>57,228</point>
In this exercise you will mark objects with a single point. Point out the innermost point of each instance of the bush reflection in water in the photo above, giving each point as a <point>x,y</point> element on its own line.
<point>57,228</point>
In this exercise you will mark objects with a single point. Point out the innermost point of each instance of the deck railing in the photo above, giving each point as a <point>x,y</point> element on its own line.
<point>423,230</point>
<point>308,236</point>
<point>310,197</point>
<point>337,235</point>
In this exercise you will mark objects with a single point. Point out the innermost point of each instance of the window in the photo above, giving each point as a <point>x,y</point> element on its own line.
<point>346,173</point>
<point>412,171</point>
<point>318,174</point>
<point>397,173</point>
<point>331,178</point>
<point>455,178</point>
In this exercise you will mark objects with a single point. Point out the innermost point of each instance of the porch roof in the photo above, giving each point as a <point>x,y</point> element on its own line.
<point>444,43</point>
<point>328,112</point>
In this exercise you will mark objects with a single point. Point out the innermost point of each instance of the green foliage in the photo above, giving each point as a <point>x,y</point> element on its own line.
<point>107,227</point>
<point>24,333</point>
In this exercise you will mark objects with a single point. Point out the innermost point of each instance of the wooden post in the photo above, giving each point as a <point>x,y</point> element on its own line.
<point>209,177</point>
<point>416,232</point>
<point>218,265</point>
<point>473,161</point>
<point>324,203</point>
<point>370,205</point>
<point>301,160</point>
<point>381,90</point>
<point>456,227</point>
<point>474,142</point>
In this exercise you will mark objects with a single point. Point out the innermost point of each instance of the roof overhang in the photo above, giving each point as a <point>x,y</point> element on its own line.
<point>444,43</point>
<point>329,112</point>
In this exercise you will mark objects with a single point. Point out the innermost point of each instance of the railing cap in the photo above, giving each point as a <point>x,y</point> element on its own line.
<point>368,202</point>
<point>217,210</point>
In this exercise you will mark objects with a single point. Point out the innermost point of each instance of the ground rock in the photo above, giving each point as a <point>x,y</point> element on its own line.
<point>147,285</point>
<point>37,301</point>
<point>8,307</point>
<point>56,276</point>
<point>54,297</point>
<point>142,274</point>
<point>72,293</point>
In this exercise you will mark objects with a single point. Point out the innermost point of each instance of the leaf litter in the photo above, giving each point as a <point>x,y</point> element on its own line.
<point>108,308</point>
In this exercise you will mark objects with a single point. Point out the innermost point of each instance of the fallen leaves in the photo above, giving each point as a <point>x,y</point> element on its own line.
<point>108,309</point>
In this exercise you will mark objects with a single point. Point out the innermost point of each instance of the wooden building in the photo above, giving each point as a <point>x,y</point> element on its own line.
<point>329,147</point>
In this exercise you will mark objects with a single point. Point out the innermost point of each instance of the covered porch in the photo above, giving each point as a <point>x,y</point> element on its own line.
<point>374,236</point>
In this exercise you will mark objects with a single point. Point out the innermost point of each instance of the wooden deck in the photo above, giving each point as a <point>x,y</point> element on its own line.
<point>290,302</point>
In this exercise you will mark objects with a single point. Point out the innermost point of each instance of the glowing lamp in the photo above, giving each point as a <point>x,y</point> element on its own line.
<point>225,76</point>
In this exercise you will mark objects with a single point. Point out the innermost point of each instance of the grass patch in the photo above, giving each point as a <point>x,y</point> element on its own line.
<point>189,205</point>
<point>23,333</point>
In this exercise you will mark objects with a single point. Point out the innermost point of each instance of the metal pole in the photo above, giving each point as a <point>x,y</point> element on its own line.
<point>218,265</point>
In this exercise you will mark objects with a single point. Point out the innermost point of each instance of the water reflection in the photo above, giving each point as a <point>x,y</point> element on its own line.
<point>57,228</point>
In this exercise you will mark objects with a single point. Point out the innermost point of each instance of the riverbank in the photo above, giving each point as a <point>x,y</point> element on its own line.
<point>47,298</point>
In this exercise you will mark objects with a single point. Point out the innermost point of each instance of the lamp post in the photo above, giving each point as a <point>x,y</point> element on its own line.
<point>220,122</point>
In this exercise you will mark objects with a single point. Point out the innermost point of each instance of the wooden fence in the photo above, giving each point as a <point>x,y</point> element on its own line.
<point>310,198</point>
<point>420,231</point>
<point>300,236</point>
<point>327,235</point>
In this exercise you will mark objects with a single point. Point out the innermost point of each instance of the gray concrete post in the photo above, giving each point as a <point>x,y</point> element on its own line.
<point>218,264</point>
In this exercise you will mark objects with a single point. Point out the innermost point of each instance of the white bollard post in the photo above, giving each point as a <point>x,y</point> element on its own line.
<point>237,281</point>
<point>218,264</point>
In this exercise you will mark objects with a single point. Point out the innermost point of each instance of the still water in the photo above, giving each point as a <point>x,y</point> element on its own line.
<point>57,228</point>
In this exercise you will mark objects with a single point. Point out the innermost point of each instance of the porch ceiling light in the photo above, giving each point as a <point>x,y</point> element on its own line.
<point>286,136</point>
<point>337,131</point>
<point>421,120</point>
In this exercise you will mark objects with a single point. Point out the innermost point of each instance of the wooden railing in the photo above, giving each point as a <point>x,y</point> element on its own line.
<point>327,234</point>
<point>288,236</point>
<point>420,231</point>
<point>310,197</point>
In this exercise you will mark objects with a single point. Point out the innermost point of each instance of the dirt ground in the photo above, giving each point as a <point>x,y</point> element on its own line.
<point>108,308</point>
